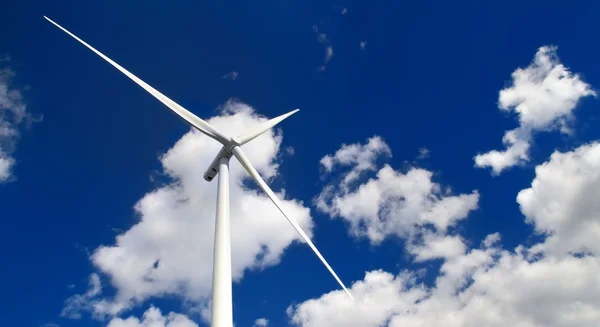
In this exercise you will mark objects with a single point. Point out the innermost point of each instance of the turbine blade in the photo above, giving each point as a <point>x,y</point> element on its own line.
<point>263,127</point>
<point>192,119</point>
<point>241,157</point>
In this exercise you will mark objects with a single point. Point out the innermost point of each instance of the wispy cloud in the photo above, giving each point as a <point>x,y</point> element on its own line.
<point>290,150</point>
<point>13,115</point>
<point>323,39</point>
<point>342,10</point>
<point>50,324</point>
<point>328,56</point>
<point>231,75</point>
<point>82,302</point>
<point>363,45</point>
<point>424,153</point>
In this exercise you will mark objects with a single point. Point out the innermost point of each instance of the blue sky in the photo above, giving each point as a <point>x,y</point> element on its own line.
<point>91,156</point>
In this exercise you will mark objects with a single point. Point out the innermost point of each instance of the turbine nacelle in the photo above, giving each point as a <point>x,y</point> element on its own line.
<point>213,169</point>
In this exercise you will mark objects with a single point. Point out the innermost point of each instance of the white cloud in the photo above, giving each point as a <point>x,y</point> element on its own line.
<point>407,205</point>
<point>328,56</point>
<point>554,283</point>
<point>363,45</point>
<point>13,113</point>
<point>76,303</point>
<point>424,153</point>
<point>490,240</point>
<point>169,251</point>
<point>378,297</point>
<point>231,75</point>
<point>361,157</point>
<point>261,322</point>
<point>6,164</point>
<point>563,201</point>
<point>50,324</point>
<point>342,10</point>
<point>321,37</point>
<point>436,246</point>
<point>324,39</point>
<point>154,318</point>
<point>485,287</point>
<point>517,143</point>
<point>544,95</point>
<point>290,150</point>
<point>543,91</point>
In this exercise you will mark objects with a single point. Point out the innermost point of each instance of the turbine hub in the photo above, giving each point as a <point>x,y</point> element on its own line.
<point>234,141</point>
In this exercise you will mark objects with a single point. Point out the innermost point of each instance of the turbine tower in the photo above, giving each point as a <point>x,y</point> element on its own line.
<point>222,313</point>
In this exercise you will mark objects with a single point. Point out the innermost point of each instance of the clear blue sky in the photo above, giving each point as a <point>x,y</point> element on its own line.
<point>428,77</point>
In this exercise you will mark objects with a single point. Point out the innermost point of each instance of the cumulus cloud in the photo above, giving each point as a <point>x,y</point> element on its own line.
<point>362,158</point>
<point>563,201</point>
<point>554,283</point>
<point>262,322</point>
<point>485,287</point>
<point>544,96</point>
<point>378,296</point>
<point>154,318</point>
<point>406,205</point>
<point>396,203</point>
<point>13,114</point>
<point>434,246</point>
<point>169,251</point>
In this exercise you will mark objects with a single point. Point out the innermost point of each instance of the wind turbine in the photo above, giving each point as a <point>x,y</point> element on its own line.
<point>222,313</point>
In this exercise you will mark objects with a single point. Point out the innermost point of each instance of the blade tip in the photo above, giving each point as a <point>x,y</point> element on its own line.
<point>50,20</point>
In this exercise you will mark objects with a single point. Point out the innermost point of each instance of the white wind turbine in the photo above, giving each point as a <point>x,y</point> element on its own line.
<point>222,313</point>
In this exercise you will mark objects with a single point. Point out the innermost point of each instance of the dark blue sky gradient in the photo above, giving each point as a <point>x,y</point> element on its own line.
<point>429,77</point>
